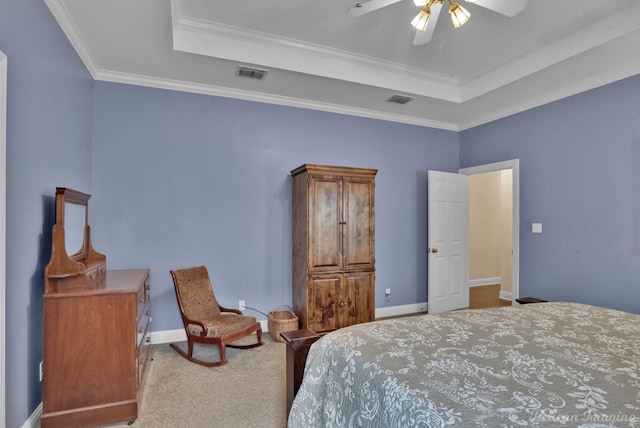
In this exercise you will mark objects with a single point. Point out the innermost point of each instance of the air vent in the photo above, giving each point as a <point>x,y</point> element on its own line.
<point>400,99</point>
<point>252,73</point>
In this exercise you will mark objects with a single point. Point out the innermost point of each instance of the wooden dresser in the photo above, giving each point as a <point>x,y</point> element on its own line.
<point>96,350</point>
<point>96,327</point>
<point>333,246</point>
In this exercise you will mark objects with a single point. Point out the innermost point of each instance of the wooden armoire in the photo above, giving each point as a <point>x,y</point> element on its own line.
<point>333,246</point>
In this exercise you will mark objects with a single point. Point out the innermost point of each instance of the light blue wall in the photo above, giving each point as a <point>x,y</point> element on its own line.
<point>49,114</point>
<point>183,179</point>
<point>580,178</point>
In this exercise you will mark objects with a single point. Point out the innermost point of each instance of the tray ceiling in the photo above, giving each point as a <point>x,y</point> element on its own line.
<point>318,57</point>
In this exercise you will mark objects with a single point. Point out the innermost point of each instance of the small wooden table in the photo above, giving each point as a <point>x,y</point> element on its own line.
<point>525,300</point>
<point>298,343</point>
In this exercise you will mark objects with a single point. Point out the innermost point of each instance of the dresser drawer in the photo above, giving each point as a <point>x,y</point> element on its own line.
<point>144,353</point>
<point>144,321</point>
<point>81,391</point>
<point>95,277</point>
<point>143,297</point>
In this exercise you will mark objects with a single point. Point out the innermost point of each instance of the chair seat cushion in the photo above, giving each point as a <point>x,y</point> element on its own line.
<point>223,325</point>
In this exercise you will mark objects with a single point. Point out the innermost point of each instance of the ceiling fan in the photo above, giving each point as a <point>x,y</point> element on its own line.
<point>425,20</point>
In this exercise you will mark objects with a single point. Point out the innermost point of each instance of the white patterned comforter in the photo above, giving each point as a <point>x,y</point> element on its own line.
<point>535,365</point>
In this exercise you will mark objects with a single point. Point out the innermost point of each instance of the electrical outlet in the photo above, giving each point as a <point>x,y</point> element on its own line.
<point>40,368</point>
<point>241,305</point>
<point>387,292</point>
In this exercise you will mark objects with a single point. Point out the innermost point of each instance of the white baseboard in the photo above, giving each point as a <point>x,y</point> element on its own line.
<point>394,311</point>
<point>506,295</point>
<point>178,335</point>
<point>34,419</point>
<point>168,336</point>
<point>485,281</point>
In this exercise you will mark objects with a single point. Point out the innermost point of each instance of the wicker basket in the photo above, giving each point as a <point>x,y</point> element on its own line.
<point>281,321</point>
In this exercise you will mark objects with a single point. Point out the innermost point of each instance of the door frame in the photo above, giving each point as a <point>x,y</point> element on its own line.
<point>514,166</point>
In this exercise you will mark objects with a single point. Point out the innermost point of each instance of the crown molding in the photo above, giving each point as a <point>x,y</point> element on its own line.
<point>176,85</point>
<point>550,51</point>
<point>577,87</point>
<point>217,40</point>
<point>62,15</point>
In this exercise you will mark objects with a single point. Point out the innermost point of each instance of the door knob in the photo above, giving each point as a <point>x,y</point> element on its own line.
<point>432,250</point>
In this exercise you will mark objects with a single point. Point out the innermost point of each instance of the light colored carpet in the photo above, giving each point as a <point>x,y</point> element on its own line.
<point>249,391</point>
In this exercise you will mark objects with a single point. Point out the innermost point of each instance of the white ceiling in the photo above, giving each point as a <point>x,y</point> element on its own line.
<point>319,57</point>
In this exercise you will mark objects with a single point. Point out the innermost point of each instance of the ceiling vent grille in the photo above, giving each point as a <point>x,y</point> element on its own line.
<point>399,99</point>
<point>252,73</point>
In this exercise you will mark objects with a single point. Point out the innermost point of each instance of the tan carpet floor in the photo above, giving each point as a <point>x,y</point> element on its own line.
<point>249,391</point>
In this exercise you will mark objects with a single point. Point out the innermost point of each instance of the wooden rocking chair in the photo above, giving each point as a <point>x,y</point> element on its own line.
<point>205,321</point>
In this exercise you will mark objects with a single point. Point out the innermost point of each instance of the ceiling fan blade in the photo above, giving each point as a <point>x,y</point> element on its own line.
<point>424,37</point>
<point>509,8</point>
<point>369,6</point>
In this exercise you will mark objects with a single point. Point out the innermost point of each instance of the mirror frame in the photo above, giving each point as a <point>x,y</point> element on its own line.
<point>86,269</point>
<point>65,196</point>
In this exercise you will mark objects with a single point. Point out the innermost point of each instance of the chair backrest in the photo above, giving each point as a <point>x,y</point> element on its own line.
<point>195,294</point>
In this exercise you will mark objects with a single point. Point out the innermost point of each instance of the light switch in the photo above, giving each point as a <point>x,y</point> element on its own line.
<point>536,227</point>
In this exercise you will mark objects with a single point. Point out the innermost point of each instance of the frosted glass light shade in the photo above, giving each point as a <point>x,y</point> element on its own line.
<point>459,15</point>
<point>422,19</point>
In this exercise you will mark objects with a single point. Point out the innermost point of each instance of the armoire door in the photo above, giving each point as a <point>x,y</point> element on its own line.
<point>358,223</point>
<point>325,228</point>
<point>361,285</point>
<point>325,295</point>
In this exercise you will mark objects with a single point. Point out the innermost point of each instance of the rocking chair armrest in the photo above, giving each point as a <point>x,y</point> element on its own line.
<point>204,328</point>
<point>235,311</point>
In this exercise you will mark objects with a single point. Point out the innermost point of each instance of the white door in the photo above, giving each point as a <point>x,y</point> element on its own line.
<point>448,229</point>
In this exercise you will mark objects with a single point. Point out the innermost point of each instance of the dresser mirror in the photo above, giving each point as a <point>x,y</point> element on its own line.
<point>74,264</point>
<point>75,220</point>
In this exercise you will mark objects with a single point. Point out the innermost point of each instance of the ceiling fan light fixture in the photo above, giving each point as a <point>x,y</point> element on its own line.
<point>422,19</point>
<point>459,15</point>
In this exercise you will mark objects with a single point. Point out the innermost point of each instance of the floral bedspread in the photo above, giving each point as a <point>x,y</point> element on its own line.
<point>534,365</point>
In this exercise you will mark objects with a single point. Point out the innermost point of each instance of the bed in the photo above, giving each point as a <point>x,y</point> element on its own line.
<point>543,364</point>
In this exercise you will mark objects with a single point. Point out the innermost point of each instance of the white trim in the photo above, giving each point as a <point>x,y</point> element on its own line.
<point>221,91</point>
<point>178,335</point>
<point>61,13</point>
<point>506,295</point>
<point>34,418</point>
<point>3,228</point>
<point>217,40</point>
<point>514,165</point>
<point>546,55</point>
<point>503,295</point>
<point>394,311</point>
<point>168,336</point>
<point>485,281</point>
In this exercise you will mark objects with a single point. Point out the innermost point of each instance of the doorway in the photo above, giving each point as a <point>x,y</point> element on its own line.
<point>507,178</point>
